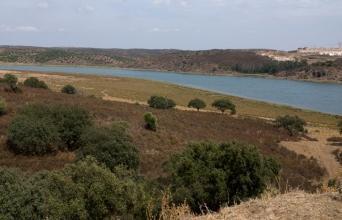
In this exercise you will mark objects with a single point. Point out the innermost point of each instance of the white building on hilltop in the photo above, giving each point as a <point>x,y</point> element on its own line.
<point>321,51</point>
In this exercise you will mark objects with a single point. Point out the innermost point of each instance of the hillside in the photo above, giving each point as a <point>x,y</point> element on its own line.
<point>205,61</point>
<point>293,205</point>
<point>176,129</point>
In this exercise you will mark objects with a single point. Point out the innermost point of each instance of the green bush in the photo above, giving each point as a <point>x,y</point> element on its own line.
<point>35,83</point>
<point>3,107</point>
<point>33,136</point>
<point>219,174</point>
<point>12,83</point>
<point>15,196</point>
<point>83,190</point>
<point>150,121</point>
<point>161,102</point>
<point>293,124</point>
<point>197,104</point>
<point>223,105</point>
<point>69,89</point>
<point>41,129</point>
<point>110,146</point>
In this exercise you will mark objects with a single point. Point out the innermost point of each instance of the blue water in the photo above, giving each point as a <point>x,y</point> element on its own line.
<point>323,97</point>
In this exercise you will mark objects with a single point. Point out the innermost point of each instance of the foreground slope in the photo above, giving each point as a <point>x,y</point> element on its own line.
<point>294,205</point>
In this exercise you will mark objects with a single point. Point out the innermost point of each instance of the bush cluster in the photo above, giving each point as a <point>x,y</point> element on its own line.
<point>161,102</point>
<point>223,105</point>
<point>35,83</point>
<point>111,146</point>
<point>83,190</point>
<point>41,129</point>
<point>69,89</point>
<point>150,121</point>
<point>293,124</point>
<point>216,174</point>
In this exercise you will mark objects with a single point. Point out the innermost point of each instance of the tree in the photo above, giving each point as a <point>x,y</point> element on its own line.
<point>223,105</point>
<point>33,136</point>
<point>110,146</point>
<point>35,83</point>
<point>161,102</point>
<point>197,104</point>
<point>217,174</point>
<point>69,89</point>
<point>3,107</point>
<point>293,124</point>
<point>150,121</point>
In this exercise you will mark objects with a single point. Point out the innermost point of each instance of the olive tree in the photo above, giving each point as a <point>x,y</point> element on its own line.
<point>223,105</point>
<point>197,104</point>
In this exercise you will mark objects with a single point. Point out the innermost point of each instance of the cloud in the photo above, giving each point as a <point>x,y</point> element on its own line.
<point>6,28</point>
<point>165,30</point>
<point>43,5</point>
<point>86,8</point>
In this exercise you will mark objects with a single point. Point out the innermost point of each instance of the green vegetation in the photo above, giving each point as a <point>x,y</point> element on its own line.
<point>33,136</point>
<point>110,146</point>
<point>208,174</point>
<point>339,125</point>
<point>223,105</point>
<point>293,124</point>
<point>35,83</point>
<point>83,190</point>
<point>161,102</point>
<point>51,54</point>
<point>150,121</point>
<point>3,107</point>
<point>12,83</point>
<point>42,129</point>
<point>9,57</point>
<point>69,89</point>
<point>197,104</point>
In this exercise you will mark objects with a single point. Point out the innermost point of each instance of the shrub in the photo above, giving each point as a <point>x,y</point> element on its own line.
<point>293,124</point>
<point>160,102</point>
<point>69,89</point>
<point>223,105</point>
<point>110,146</point>
<point>15,196</point>
<point>339,125</point>
<point>3,107</point>
<point>150,121</point>
<point>197,104</point>
<point>12,82</point>
<point>33,136</point>
<point>35,83</point>
<point>216,174</point>
<point>71,122</point>
<point>41,129</point>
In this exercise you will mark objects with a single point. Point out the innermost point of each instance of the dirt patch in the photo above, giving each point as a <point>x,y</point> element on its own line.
<point>318,147</point>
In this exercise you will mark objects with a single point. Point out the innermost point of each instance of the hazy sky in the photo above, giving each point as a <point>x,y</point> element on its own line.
<point>182,24</point>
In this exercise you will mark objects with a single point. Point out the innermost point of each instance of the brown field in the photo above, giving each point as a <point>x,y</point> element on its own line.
<point>138,90</point>
<point>176,129</point>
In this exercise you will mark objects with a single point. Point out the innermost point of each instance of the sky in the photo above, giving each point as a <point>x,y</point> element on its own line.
<point>177,24</point>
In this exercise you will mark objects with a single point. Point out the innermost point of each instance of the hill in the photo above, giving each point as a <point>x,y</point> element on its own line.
<point>205,61</point>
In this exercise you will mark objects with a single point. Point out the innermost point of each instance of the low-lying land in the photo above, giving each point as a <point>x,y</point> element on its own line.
<point>138,91</point>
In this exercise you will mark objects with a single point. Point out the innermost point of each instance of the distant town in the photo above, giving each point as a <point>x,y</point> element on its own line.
<point>321,51</point>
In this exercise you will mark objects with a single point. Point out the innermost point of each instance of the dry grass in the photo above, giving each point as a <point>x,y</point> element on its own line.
<point>293,205</point>
<point>138,90</point>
